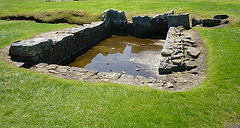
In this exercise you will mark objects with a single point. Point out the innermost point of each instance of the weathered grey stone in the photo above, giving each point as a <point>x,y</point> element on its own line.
<point>211,22</point>
<point>178,46</point>
<point>76,69</point>
<point>159,25</point>
<point>52,71</point>
<point>140,80</point>
<point>186,37</point>
<point>177,56</point>
<point>221,16</point>
<point>196,22</point>
<point>166,52</point>
<point>105,80</point>
<point>177,61</point>
<point>178,20</point>
<point>189,41</point>
<point>164,68</point>
<point>190,64</point>
<point>177,40</point>
<point>41,65</point>
<point>194,52</point>
<point>109,75</point>
<point>193,71</point>
<point>77,29</point>
<point>141,25</point>
<point>177,51</point>
<point>169,85</point>
<point>89,74</point>
<point>52,67</point>
<point>116,20</point>
<point>62,69</point>
<point>151,80</point>
<point>127,79</point>
<point>30,47</point>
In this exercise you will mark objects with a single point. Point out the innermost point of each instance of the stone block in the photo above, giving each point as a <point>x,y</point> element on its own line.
<point>141,25</point>
<point>178,20</point>
<point>211,22</point>
<point>30,47</point>
<point>164,67</point>
<point>221,16</point>
<point>116,20</point>
<point>194,52</point>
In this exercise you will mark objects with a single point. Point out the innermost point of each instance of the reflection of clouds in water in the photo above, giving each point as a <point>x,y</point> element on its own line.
<point>120,53</point>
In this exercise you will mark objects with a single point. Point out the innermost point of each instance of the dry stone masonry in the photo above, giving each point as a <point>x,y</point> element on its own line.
<point>47,52</point>
<point>178,53</point>
<point>79,39</point>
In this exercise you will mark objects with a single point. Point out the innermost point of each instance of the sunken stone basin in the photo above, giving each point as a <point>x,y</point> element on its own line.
<point>178,63</point>
<point>128,54</point>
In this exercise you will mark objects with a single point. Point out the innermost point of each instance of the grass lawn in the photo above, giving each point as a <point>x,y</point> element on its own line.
<point>31,99</point>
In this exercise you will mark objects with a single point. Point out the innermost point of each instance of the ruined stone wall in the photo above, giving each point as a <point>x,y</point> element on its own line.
<point>65,45</point>
<point>179,52</point>
<point>58,50</point>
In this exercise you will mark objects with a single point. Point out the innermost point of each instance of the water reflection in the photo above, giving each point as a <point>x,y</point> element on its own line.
<point>117,54</point>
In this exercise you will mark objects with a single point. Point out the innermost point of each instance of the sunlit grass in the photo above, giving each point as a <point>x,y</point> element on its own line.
<point>31,99</point>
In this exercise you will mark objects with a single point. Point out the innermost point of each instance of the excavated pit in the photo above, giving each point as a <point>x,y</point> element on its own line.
<point>176,63</point>
<point>123,54</point>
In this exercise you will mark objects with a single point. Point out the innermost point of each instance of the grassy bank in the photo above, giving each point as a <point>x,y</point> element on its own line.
<point>31,99</point>
<point>91,10</point>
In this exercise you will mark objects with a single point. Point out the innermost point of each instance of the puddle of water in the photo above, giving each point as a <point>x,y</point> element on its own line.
<point>132,55</point>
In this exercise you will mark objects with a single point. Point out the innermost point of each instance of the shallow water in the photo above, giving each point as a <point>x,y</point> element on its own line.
<point>127,54</point>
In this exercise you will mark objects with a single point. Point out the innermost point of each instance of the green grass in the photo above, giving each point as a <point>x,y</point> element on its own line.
<point>31,99</point>
<point>92,9</point>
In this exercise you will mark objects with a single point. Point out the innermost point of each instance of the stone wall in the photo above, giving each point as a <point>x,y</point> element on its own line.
<point>65,45</point>
<point>179,52</point>
<point>144,26</point>
<point>50,50</point>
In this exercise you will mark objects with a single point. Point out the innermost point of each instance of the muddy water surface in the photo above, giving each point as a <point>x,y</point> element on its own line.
<point>127,54</point>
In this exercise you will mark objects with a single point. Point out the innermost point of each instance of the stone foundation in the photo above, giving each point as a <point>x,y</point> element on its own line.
<point>79,39</point>
<point>61,48</point>
<point>175,81</point>
<point>179,52</point>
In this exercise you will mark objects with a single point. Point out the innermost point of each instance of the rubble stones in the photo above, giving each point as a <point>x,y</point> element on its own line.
<point>151,80</point>
<point>166,52</point>
<point>164,68</point>
<point>175,53</point>
<point>190,64</point>
<point>107,75</point>
<point>141,80</point>
<point>178,56</point>
<point>194,52</point>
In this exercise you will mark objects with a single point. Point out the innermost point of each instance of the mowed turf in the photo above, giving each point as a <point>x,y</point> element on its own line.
<point>31,99</point>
